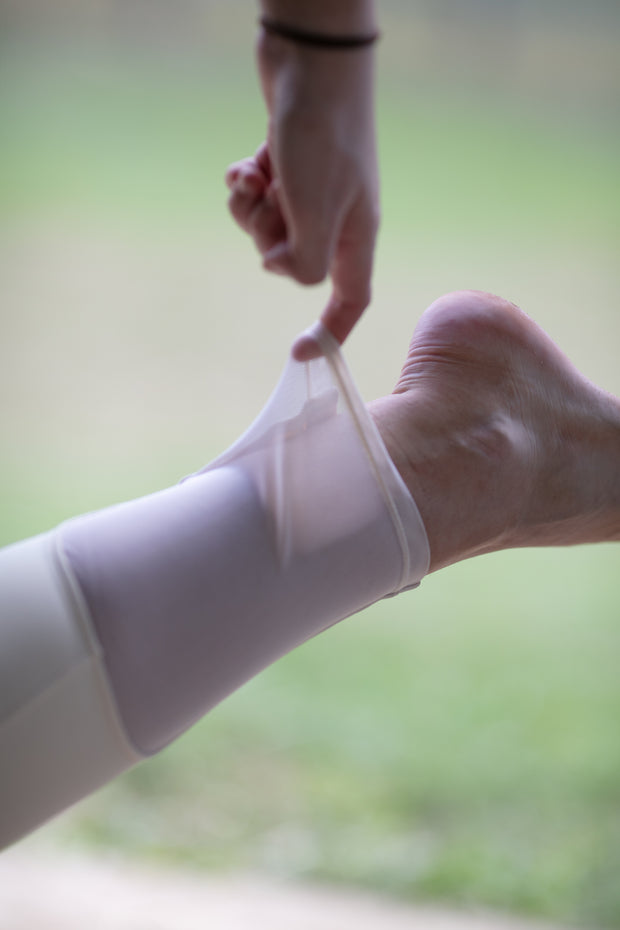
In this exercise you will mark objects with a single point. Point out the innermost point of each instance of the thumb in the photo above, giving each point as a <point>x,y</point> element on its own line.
<point>307,268</point>
<point>279,259</point>
<point>341,314</point>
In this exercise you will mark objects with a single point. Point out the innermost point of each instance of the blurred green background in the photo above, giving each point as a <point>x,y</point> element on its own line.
<point>460,743</point>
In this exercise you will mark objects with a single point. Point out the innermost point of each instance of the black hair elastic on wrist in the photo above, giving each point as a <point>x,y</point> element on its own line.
<point>317,39</point>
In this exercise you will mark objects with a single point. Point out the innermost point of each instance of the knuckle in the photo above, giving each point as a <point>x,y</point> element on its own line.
<point>309,276</point>
<point>235,207</point>
<point>311,271</point>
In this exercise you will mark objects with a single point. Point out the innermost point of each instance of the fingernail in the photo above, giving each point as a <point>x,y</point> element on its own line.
<point>247,184</point>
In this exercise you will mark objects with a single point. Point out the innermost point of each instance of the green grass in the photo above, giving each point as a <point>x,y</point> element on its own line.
<point>459,743</point>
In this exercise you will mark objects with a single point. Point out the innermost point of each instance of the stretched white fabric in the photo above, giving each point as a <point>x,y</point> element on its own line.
<point>60,734</point>
<point>182,596</point>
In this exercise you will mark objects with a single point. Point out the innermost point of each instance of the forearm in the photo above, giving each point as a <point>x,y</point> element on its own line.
<point>309,72</point>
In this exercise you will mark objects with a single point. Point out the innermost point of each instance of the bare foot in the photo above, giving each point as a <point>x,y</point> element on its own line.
<point>499,438</point>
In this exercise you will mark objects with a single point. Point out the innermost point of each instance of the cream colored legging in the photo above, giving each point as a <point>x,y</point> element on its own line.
<point>121,628</point>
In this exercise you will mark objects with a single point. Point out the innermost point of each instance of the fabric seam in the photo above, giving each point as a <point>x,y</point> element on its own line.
<point>96,651</point>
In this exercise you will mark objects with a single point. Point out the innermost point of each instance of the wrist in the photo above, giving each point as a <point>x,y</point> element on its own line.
<point>325,95</point>
<point>303,75</point>
<point>346,17</point>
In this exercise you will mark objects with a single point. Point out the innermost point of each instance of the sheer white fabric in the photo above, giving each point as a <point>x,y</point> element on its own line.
<point>195,589</point>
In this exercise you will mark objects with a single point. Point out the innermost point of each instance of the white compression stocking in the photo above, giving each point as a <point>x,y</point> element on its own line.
<point>123,627</point>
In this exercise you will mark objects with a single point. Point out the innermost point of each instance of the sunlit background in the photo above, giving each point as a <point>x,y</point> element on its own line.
<point>460,743</point>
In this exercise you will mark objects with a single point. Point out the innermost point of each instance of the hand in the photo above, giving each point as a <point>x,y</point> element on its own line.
<point>309,197</point>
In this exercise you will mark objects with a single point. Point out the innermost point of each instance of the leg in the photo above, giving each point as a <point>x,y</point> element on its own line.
<point>123,627</point>
<point>164,605</point>
<point>500,440</point>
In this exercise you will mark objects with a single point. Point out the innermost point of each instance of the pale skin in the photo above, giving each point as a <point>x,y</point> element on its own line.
<point>309,197</point>
<point>501,441</point>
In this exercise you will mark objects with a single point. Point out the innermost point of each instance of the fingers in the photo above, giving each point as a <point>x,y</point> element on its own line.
<point>312,213</point>
<point>351,273</point>
<point>256,205</point>
<point>306,266</point>
<point>339,317</point>
<point>261,217</point>
<point>318,238</point>
<point>350,270</point>
<point>253,202</point>
<point>255,170</point>
<point>248,186</point>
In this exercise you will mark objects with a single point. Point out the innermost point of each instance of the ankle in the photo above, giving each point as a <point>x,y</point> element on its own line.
<point>460,476</point>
